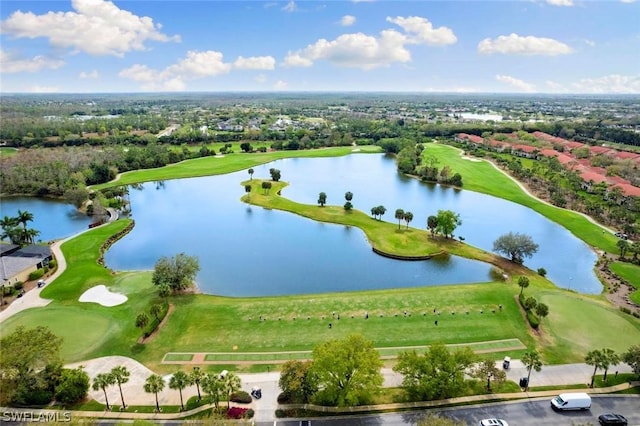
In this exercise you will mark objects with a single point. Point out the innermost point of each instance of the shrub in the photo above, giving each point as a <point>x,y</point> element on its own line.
<point>241,397</point>
<point>52,264</point>
<point>18,286</point>
<point>236,412</point>
<point>625,309</point>
<point>250,413</point>
<point>534,322</point>
<point>542,272</point>
<point>38,273</point>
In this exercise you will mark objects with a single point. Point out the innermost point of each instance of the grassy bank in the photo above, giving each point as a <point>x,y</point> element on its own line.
<point>221,164</point>
<point>630,273</point>
<point>482,176</point>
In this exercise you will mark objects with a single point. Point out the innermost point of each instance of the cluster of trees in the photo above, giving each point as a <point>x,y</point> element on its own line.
<point>535,310</point>
<point>31,371</point>
<point>444,223</point>
<point>15,229</point>
<point>174,274</point>
<point>401,215</point>
<point>157,312</point>
<point>378,211</point>
<point>603,359</point>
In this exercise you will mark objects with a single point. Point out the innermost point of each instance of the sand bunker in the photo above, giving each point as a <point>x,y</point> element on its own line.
<point>103,296</point>
<point>464,157</point>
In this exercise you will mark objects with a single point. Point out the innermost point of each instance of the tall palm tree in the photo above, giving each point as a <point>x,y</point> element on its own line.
<point>154,384</point>
<point>408,217</point>
<point>179,380</point>
<point>196,377</point>
<point>103,381</point>
<point>30,235</point>
<point>609,358</point>
<point>121,375</point>
<point>24,217</point>
<point>232,384</point>
<point>597,359</point>
<point>399,216</point>
<point>532,361</point>
<point>213,387</point>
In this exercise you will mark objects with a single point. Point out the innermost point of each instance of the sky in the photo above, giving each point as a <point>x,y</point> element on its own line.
<point>526,46</point>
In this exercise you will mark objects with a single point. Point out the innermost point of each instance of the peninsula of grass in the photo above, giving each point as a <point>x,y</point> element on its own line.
<point>221,164</point>
<point>482,176</point>
<point>395,240</point>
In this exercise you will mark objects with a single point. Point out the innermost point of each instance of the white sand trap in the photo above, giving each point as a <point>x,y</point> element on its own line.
<point>464,157</point>
<point>103,296</point>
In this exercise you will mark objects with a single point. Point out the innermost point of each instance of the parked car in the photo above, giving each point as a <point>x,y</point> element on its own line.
<point>41,283</point>
<point>256,392</point>
<point>493,422</point>
<point>506,362</point>
<point>612,419</point>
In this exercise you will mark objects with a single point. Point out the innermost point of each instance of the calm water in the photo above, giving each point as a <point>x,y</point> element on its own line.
<point>250,251</point>
<point>54,219</point>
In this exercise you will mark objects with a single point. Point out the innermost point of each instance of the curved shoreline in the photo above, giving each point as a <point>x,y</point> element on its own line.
<point>406,257</point>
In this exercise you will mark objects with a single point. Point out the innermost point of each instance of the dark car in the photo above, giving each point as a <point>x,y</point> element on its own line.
<point>612,419</point>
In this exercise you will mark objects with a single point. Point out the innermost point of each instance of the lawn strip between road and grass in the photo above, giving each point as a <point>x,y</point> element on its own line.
<point>221,164</point>
<point>482,176</point>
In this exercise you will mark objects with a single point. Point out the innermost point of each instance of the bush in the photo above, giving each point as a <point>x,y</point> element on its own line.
<point>241,397</point>
<point>542,272</point>
<point>18,286</point>
<point>250,413</point>
<point>534,322</point>
<point>155,322</point>
<point>625,309</point>
<point>236,412</point>
<point>38,273</point>
<point>52,264</point>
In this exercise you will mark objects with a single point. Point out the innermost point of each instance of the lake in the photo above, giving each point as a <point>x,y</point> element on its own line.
<point>251,251</point>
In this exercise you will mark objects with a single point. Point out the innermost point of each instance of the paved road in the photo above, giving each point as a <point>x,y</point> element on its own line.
<point>528,413</point>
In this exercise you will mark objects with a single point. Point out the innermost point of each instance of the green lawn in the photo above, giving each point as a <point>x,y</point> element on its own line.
<point>578,324</point>
<point>482,176</point>
<point>630,273</point>
<point>7,152</point>
<point>216,165</point>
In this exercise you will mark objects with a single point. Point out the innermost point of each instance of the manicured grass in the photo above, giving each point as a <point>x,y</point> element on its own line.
<point>216,165</point>
<point>7,152</point>
<point>482,176</point>
<point>630,273</point>
<point>578,324</point>
<point>178,357</point>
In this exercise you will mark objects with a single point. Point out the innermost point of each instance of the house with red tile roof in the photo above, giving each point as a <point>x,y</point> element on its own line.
<point>624,155</point>
<point>497,145</point>
<point>628,192</point>
<point>526,151</point>
<point>597,150</point>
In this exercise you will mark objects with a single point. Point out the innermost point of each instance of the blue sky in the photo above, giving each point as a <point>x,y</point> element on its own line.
<point>528,46</point>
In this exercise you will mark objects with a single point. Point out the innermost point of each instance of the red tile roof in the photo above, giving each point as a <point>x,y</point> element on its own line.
<point>588,176</point>
<point>629,190</point>
<point>624,155</point>
<point>599,149</point>
<point>524,148</point>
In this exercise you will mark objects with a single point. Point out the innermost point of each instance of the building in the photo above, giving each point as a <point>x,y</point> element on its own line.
<point>17,263</point>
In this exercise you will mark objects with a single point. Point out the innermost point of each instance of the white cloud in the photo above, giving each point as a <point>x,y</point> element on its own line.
<point>97,27</point>
<point>43,89</point>
<point>290,7</point>
<point>520,45</point>
<point>347,20</point>
<point>556,87</point>
<point>195,65</point>
<point>422,31</point>
<point>280,85</point>
<point>255,63</point>
<point>519,85</point>
<point>628,1</point>
<point>613,83</point>
<point>261,78</point>
<point>560,2</point>
<point>355,50</point>
<point>93,74</point>
<point>11,64</point>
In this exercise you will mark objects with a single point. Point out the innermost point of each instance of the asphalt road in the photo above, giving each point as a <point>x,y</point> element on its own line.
<point>536,412</point>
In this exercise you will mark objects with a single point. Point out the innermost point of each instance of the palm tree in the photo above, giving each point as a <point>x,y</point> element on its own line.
<point>598,360</point>
<point>179,380</point>
<point>121,375</point>
<point>609,358</point>
<point>231,383</point>
<point>250,174</point>
<point>30,235</point>
<point>24,217</point>
<point>408,217</point>
<point>247,189</point>
<point>531,360</point>
<point>154,384</point>
<point>196,377</point>
<point>623,245</point>
<point>103,381</point>
<point>399,216</point>
<point>213,387</point>
<point>381,210</point>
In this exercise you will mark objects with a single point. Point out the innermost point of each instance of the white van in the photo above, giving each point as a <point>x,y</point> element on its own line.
<point>571,401</point>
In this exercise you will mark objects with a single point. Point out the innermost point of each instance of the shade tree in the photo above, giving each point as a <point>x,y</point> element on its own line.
<point>297,381</point>
<point>515,245</point>
<point>448,221</point>
<point>488,370</point>
<point>322,199</point>
<point>178,272</point>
